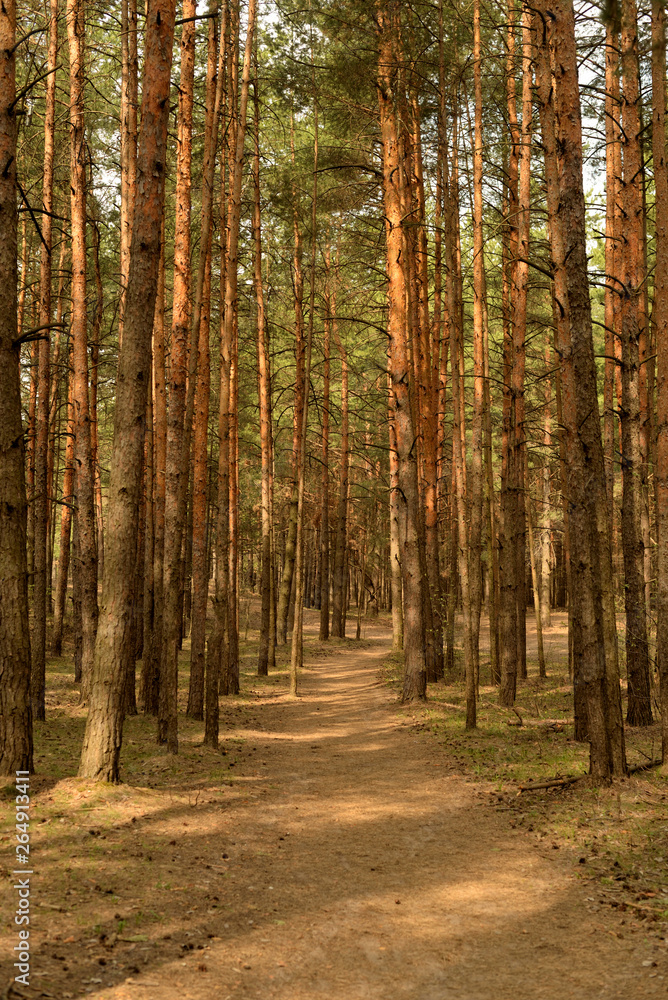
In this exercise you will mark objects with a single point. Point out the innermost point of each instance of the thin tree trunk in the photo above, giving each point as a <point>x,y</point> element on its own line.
<point>94,428</point>
<point>225,605</point>
<point>521,288</point>
<point>508,561</point>
<point>612,258</point>
<point>151,674</point>
<point>545,518</point>
<point>287,581</point>
<point>200,572</point>
<point>639,711</point>
<point>264,395</point>
<point>297,649</point>
<point>476,480</point>
<point>85,564</point>
<point>128,130</point>
<point>150,637</point>
<point>535,579</point>
<point>660,318</point>
<point>396,534</point>
<point>41,501</point>
<point>178,375</point>
<point>338,573</point>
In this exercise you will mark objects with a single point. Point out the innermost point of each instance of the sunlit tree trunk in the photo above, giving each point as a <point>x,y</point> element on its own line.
<point>415,675</point>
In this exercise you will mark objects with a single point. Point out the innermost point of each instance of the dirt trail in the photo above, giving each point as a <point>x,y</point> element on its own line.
<point>367,872</point>
<point>355,865</point>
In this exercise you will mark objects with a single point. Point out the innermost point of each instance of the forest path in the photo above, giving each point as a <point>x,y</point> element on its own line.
<point>365,870</point>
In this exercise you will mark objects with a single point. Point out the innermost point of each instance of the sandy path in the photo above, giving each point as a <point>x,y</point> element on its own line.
<point>354,864</point>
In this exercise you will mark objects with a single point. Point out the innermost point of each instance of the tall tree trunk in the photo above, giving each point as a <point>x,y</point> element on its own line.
<point>476,480</point>
<point>225,605</point>
<point>660,317</point>
<point>16,748</point>
<point>151,673</point>
<point>85,558</point>
<point>287,581</point>
<point>324,499</point>
<point>41,501</point>
<point>415,669</point>
<point>535,577</point>
<point>521,289</point>
<point>589,533</point>
<point>148,569</point>
<point>94,426</point>
<point>200,569</point>
<point>178,374</point>
<point>65,528</point>
<point>297,649</point>
<point>545,518</point>
<point>128,130</point>
<point>509,561</point>
<point>561,336</point>
<point>100,757</point>
<point>264,396</point>
<point>339,578</point>
<point>396,534</point>
<point>612,256</point>
<point>639,711</point>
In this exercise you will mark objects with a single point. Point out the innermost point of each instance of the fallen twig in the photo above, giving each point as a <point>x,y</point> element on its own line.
<point>552,783</point>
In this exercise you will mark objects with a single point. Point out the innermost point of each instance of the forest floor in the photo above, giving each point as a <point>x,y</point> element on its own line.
<point>340,846</point>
